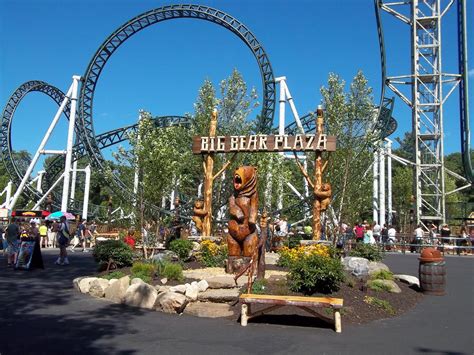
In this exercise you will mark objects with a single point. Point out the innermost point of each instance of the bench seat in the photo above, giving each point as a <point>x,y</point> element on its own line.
<point>302,302</point>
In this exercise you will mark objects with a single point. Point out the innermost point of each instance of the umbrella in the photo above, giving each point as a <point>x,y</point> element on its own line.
<point>58,214</point>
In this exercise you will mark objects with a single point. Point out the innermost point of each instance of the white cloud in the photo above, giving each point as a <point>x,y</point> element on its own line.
<point>470,73</point>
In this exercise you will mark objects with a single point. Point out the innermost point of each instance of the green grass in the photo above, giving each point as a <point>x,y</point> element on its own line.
<point>382,304</point>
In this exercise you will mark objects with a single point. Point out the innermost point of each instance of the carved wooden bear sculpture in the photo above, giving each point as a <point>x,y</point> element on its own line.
<point>243,207</point>
<point>324,196</point>
<point>199,213</point>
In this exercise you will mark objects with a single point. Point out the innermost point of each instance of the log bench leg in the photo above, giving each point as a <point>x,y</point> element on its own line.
<point>244,316</point>
<point>337,320</point>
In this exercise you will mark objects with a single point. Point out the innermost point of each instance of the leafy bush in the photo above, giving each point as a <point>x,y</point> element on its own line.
<point>212,255</point>
<point>171,271</point>
<point>116,250</point>
<point>367,251</point>
<point>113,275</point>
<point>182,248</point>
<point>315,273</point>
<point>378,285</point>
<point>289,255</point>
<point>377,302</point>
<point>144,271</point>
<point>294,241</point>
<point>258,287</point>
<point>382,275</point>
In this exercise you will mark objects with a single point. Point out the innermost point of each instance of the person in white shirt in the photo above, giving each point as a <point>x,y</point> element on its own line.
<point>392,236</point>
<point>418,233</point>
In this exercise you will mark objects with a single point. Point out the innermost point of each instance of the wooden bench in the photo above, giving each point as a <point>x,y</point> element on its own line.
<point>299,301</point>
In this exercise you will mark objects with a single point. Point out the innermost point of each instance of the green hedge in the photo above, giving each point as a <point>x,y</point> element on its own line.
<point>118,251</point>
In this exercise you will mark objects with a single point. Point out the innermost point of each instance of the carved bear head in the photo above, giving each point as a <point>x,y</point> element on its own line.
<point>245,181</point>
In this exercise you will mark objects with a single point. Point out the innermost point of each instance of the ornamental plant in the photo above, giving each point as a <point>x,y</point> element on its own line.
<point>182,247</point>
<point>212,255</point>
<point>144,271</point>
<point>289,255</point>
<point>116,250</point>
<point>312,272</point>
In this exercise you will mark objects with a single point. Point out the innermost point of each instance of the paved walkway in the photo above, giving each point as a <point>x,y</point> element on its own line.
<point>41,313</point>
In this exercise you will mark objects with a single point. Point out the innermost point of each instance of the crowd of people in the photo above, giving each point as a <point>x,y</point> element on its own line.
<point>49,234</point>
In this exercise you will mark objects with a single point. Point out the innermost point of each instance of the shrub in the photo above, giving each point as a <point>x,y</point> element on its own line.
<point>171,271</point>
<point>143,271</point>
<point>382,275</point>
<point>367,251</point>
<point>118,251</point>
<point>258,287</point>
<point>377,302</point>
<point>182,248</point>
<point>294,241</point>
<point>212,255</point>
<point>289,255</point>
<point>315,273</point>
<point>378,285</point>
<point>113,275</point>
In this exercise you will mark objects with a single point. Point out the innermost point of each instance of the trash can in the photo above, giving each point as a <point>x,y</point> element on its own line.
<point>432,272</point>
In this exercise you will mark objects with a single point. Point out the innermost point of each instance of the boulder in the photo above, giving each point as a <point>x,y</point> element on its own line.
<point>85,283</point>
<point>192,291</point>
<point>411,280</point>
<point>271,258</point>
<point>141,295</point>
<point>164,281</point>
<point>202,285</point>
<point>97,287</point>
<point>209,310</point>
<point>162,289</point>
<point>178,289</point>
<point>225,281</point>
<point>219,295</point>
<point>196,247</point>
<point>356,266</point>
<point>76,281</point>
<point>112,281</point>
<point>393,287</point>
<point>116,291</point>
<point>137,280</point>
<point>376,266</point>
<point>171,302</point>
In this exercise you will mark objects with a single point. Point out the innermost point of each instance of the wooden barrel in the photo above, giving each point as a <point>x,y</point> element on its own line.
<point>432,277</point>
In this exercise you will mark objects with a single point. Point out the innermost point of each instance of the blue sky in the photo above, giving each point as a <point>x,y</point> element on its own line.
<point>161,68</point>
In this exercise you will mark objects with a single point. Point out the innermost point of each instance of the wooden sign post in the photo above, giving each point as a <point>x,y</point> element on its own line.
<point>319,142</point>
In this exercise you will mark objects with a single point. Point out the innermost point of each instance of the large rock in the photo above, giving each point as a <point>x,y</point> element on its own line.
<point>376,266</point>
<point>209,310</point>
<point>225,281</point>
<point>392,286</point>
<point>85,284</point>
<point>141,295</point>
<point>162,288</point>
<point>219,295</point>
<point>411,280</point>
<point>171,302</point>
<point>178,289</point>
<point>97,287</point>
<point>192,291</point>
<point>202,285</point>
<point>112,281</point>
<point>136,280</point>
<point>116,291</point>
<point>356,266</point>
<point>76,281</point>
<point>271,258</point>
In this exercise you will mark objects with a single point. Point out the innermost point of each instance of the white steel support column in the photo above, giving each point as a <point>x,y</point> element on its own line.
<point>41,147</point>
<point>382,186</point>
<point>375,198</point>
<point>388,150</point>
<point>9,194</point>
<point>85,205</point>
<point>281,116</point>
<point>70,141</point>
<point>39,181</point>
<point>74,178</point>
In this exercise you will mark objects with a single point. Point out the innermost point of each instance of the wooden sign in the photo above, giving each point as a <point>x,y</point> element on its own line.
<point>264,143</point>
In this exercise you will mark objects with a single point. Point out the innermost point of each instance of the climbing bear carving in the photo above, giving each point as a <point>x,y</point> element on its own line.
<point>243,208</point>
<point>324,196</point>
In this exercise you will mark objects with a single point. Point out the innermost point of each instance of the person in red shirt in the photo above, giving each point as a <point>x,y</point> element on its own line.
<point>130,239</point>
<point>359,232</point>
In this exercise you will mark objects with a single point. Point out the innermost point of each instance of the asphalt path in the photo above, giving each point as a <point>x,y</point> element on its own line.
<point>41,313</point>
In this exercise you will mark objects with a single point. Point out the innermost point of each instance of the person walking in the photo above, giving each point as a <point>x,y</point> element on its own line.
<point>80,237</point>
<point>43,232</point>
<point>376,229</point>
<point>12,236</point>
<point>63,241</point>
